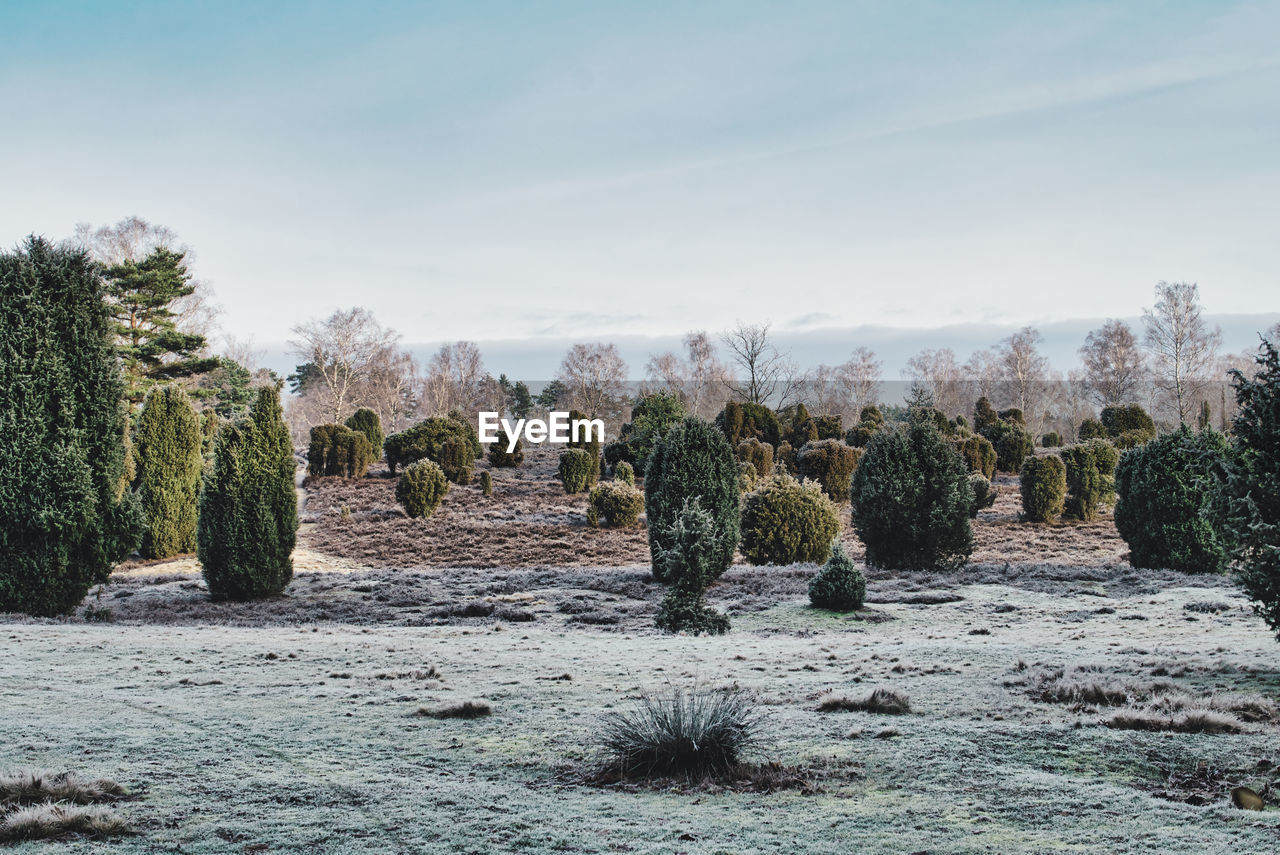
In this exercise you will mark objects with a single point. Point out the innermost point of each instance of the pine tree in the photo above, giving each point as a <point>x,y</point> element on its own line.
<point>248,507</point>
<point>152,348</point>
<point>66,515</point>
<point>168,465</point>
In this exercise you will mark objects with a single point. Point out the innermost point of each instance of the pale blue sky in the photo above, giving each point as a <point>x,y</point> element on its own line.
<point>520,170</point>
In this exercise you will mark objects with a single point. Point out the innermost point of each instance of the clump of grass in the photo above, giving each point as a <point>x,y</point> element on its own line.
<point>1186,721</point>
<point>28,786</point>
<point>48,820</point>
<point>465,709</point>
<point>695,734</point>
<point>885,701</point>
<point>1083,685</point>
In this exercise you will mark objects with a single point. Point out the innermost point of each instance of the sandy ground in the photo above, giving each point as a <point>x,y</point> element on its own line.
<point>288,725</point>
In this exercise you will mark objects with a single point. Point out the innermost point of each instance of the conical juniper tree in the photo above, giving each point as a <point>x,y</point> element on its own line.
<point>248,507</point>
<point>689,562</point>
<point>66,514</point>
<point>167,450</point>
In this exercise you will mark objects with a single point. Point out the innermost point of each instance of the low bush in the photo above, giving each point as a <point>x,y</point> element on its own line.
<point>742,421</point>
<point>984,494</point>
<point>978,454</point>
<point>1132,439</point>
<point>829,462</point>
<point>437,438</point>
<point>839,585</point>
<point>499,457</point>
<point>747,477</point>
<point>1044,488</point>
<point>624,473</point>
<point>366,421</point>
<point>474,446</point>
<point>686,557</point>
<point>337,450</point>
<point>859,435</point>
<point>1165,494</point>
<point>758,454</point>
<point>1090,485</point>
<point>785,521</point>
<point>1013,415</point>
<point>576,470</point>
<point>614,504</point>
<point>486,483</point>
<point>1091,429</point>
<point>1052,439</point>
<point>1123,418</point>
<point>784,458</point>
<point>1012,443</point>
<point>421,488</point>
<point>829,427</point>
<point>911,500</point>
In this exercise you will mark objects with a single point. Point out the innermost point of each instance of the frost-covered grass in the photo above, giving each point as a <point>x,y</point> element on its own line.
<point>304,738</point>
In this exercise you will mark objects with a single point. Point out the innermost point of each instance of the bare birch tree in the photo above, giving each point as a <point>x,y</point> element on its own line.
<point>341,351</point>
<point>594,376</point>
<point>1183,348</point>
<point>1114,364</point>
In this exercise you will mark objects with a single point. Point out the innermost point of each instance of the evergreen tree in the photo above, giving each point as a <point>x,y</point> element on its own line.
<point>152,349</point>
<point>520,401</point>
<point>168,466</point>
<point>66,515</point>
<point>248,508</point>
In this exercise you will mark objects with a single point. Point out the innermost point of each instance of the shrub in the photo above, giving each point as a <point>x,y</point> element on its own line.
<point>747,477</point>
<point>839,586</point>
<point>1164,491</point>
<point>366,421</point>
<point>1089,467</point>
<point>66,513</point>
<point>615,504</point>
<point>167,452</point>
<point>984,415</point>
<point>693,460</point>
<point>651,416</point>
<point>742,421</point>
<point>803,428</point>
<point>486,483</point>
<point>421,487</point>
<point>785,521</point>
<point>1044,488</point>
<point>1091,429</point>
<point>1052,439</point>
<point>911,500</point>
<point>1250,502</point>
<point>436,438</point>
<point>1013,415</point>
<point>830,463</point>
<point>859,435</point>
<point>209,424</point>
<point>784,457</point>
<point>687,558</point>
<point>618,451</point>
<point>695,734</point>
<point>1012,443</point>
<point>979,455</point>
<point>829,427</point>
<point>984,495</point>
<point>499,457</point>
<point>758,454</point>
<point>474,446</point>
<point>624,473</point>
<point>1127,417</point>
<point>249,507</point>
<point>1132,439</point>
<point>576,471</point>
<point>339,451</point>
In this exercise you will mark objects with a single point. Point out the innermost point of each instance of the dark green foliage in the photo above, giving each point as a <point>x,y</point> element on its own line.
<point>1205,417</point>
<point>520,401</point>
<point>1013,415</point>
<point>336,450</point>
<point>1091,429</point>
<point>1249,509</point>
<point>829,427</point>
<point>1044,488</point>
<point>1012,444</point>
<point>960,423</point>
<point>693,459</point>
<point>1165,493</point>
<point>1132,438</point>
<point>1090,482</point>
<point>486,483</point>
<point>984,415</point>
<point>687,558</point>
<point>785,521</point>
<point>741,421</point>
<point>469,431</point>
<point>839,586</point>
<point>758,454</point>
<point>1052,439</point>
<point>614,504</point>
<point>551,395</point>
<point>366,421</point>
<point>167,451</point>
<point>66,514</point>
<point>830,462</point>
<point>625,473</point>
<point>651,416</point>
<point>747,477</point>
<point>618,451</point>
<point>984,495</point>
<point>871,416</point>
<point>421,488</point>
<point>209,424</point>
<point>227,388</point>
<point>859,435</point>
<point>141,296</point>
<point>249,507</point>
<point>436,438</point>
<point>978,453</point>
<point>784,458</point>
<point>1126,417</point>
<point>499,457</point>
<point>911,500</point>
<point>803,429</point>
<point>576,471</point>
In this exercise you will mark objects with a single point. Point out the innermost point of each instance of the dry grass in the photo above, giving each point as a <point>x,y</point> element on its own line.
<point>29,786</point>
<point>50,820</point>
<point>463,709</point>
<point>1186,721</point>
<point>1085,685</point>
<point>884,701</point>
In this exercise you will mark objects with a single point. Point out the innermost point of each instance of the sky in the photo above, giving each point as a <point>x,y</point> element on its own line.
<point>546,172</point>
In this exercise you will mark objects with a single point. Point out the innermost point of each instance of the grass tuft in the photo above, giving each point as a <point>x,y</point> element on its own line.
<point>884,701</point>
<point>50,820</point>
<point>29,786</point>
<point>465,709</point>
<point>1186,721</point>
